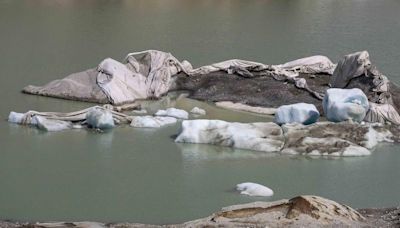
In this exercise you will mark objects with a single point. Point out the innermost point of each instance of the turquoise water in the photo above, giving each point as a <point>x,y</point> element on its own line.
<point>142,175</point>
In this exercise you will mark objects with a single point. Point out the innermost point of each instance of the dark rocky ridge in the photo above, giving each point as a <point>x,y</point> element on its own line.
<point>265,90</point>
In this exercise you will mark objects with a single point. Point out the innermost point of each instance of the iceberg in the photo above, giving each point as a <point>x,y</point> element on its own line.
<point>99,118</point>
<point>296,113</point>
<point>345,104</point>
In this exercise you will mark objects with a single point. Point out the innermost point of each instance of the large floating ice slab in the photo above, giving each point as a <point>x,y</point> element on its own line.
<point>151,121</point>
<point>99,118</point>
<point>266,137</point>
<point>173,112</point>
<point>254,189</point>
<point>345,104</point>
<point>296,113</point>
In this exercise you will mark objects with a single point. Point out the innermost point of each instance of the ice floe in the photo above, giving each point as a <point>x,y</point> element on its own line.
<point>254,189</point>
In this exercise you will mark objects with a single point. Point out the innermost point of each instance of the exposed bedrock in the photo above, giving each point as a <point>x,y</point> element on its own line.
<point>300,211</point>
<point>258,91</point>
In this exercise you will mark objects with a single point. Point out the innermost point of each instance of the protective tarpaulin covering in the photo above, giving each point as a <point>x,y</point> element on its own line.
<point>310,65</point>
<point>145,75</point>
<point>148,74</point>
<point>351,66</point>
<point>80,86</point>
<point>382,113</point>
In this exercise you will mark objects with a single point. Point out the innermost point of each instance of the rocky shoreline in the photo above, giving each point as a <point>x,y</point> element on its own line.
<point>300,211</point>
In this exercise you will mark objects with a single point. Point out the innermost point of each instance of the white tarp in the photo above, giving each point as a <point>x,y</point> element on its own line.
<point>349,67</point>
<point>148,74</point>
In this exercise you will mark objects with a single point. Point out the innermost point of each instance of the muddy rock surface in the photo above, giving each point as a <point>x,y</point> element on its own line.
<point>300,211</point>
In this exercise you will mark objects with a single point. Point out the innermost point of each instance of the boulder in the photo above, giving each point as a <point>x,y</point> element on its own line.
<point>345,104</point>
<point>296,113</point>
<point>301,211</point>
<point>99,118</point>
<point>151,121</point>
<point>173,112</point>
<point>265,137</point>
<point>254,189</point>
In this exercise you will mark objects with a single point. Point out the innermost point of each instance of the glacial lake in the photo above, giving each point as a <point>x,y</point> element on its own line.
<point>141,175</point>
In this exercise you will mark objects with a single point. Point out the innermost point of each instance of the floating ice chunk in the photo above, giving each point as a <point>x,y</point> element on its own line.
<point>99,118</point>
<point>266,137</point>
<point>253,189</point>
<point>173,112</point>
<point>151,121</point>
<point>45,124</point>
<point>141,111</point>
<point>296,113</point>
<point>345,104</point>
<point>15,117</point>
<point>40,122</point>
<point>198,111</point>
